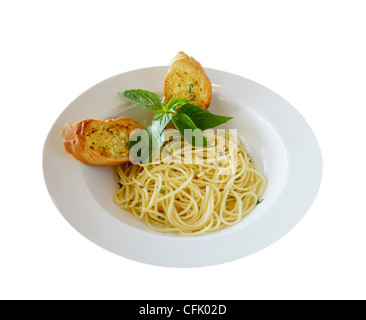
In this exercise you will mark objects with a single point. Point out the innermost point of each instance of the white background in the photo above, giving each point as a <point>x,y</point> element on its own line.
<point>312,53</point>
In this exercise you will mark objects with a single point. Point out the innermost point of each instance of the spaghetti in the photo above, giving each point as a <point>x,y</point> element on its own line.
<point>192,198</point>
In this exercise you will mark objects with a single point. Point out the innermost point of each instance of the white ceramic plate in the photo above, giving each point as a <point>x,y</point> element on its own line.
<point>275,135</point>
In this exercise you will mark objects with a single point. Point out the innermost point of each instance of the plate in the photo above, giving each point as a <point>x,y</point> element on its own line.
<point>275,135</point>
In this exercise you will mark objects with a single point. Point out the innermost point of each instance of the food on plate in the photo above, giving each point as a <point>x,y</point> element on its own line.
<point>190,179</point>
<point>192,198</point>
<point>97,142</point>
<point>186,79</point>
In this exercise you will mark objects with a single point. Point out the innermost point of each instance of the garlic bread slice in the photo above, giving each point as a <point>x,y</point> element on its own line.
<point>186,79</point>
<point>97,142</point>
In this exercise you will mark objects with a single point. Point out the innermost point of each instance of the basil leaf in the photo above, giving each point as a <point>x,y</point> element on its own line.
<point>203,119</point>
<point>156,139</point>
<point>163,118</point>
<point>173,104</point>
<point>189,130</point>
<point>147,143</point>
<point>143,98</point>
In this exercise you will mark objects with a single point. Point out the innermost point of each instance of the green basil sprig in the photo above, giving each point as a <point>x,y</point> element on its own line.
<point>188,116</point>
<point>203,119</point>
<point>143,98</point>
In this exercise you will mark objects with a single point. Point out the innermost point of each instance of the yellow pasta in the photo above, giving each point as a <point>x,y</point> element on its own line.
<point>192,198</point>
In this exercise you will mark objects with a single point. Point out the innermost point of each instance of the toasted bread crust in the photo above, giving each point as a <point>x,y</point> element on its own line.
<point>186,79</point>
<point>97,142</point>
